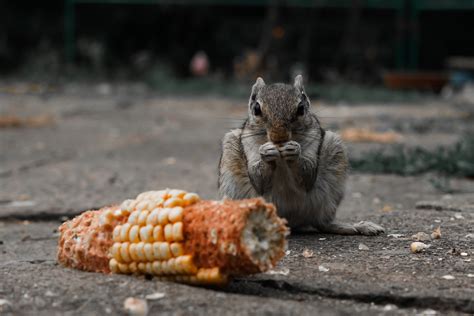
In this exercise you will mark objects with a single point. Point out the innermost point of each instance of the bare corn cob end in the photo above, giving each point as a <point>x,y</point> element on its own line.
<point>173,235</point>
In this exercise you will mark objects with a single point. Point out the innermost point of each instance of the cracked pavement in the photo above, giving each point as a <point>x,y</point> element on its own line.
<point>101,149</point>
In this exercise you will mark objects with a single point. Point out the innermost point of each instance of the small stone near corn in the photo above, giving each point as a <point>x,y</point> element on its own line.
<point>135,306</point>
<point>417,246</point>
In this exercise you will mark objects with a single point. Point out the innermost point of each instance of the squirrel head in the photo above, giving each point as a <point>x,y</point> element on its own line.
<point>279,109</point>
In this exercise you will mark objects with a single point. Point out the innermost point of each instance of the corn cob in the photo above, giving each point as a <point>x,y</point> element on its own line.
<point>173,235</point>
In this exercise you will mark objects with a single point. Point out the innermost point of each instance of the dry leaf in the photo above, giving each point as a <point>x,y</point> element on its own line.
<point>436,234</point>
<point>387,208</point>
<point>366,135</point>
<point>421,236</point>
<point>307,253</point>
<point>8,121</point>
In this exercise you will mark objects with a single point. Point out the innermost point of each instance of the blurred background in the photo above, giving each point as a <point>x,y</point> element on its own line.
<point>415,44</point>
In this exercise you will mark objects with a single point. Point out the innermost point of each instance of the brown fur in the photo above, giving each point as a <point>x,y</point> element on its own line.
<point>283,154</point>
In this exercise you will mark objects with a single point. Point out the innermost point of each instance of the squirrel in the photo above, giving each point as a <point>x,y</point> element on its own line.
<point>282,153</point>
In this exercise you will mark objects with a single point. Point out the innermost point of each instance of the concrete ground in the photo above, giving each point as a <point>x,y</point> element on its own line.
<point>85,147</point>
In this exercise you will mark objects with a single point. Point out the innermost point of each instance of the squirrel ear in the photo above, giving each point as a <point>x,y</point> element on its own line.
<point>299,83</point>
<point>256,87</point>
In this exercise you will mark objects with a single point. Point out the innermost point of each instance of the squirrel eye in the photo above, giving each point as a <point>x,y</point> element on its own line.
<point>257,111</point>
<point>301,109</point>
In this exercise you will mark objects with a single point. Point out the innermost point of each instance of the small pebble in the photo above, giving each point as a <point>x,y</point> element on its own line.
<point>363,247</point>
<point>5,305</point>
<point>284,271</point>
<point>135,306</point>
<point>448,277</point>
<point>464,254</point>
<point>323,269</point>
<point>395,235</point>
<point>389,307</point>
<point>417,246</point>
<point>458,216</point>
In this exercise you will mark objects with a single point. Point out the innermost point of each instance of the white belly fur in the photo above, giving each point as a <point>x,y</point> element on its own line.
<point>287,196</point>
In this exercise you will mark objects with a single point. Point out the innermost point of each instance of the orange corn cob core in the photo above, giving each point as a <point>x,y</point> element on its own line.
<point>175,236</point>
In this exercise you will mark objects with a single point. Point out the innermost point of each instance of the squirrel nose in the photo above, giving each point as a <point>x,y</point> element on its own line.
<point>278,136</point>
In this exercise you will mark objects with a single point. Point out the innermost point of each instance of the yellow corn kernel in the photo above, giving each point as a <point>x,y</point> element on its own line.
<point>140,253</point>
<point>148,250</point>
<point>149,268</point>
<point>124,231</point>
<point>177,193</point>
<point>133,267</point>
<point>158,233</point>
<point>156,251</point>
<point>145,195</point>
<point>133,205</point>
<point>164,267</point>
<point>173,201</point>
<point>133,234</point>
<point>210,276</point>
<point>163,216</point>
<point>119,213</point>
<point>115,251</point>
<point>177,249</point>
<point>172,266</point>
<point>123,268</point>
<point>190,198</point>
<point>116,233</point>
<point>168,232</point>
<point>146,233</point>
<point>176,214</point>
<point>141,267</point>
<point>124,252</point>
<point>132,252</point>
<point>113,265</point>
<point>151,204</point>
<point>187,264</point>
<point>142,217</point>
<point>126,206</point>
<point>165,251</point>
<point>152,218</point>
<point>156,266</point>
<point>106,218</point>
<point>164,194</point>
<point>142,205</point>
<point>133,218</point>
<point>178,231</point>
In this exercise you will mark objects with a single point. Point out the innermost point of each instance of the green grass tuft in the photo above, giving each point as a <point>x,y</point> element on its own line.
<point>455,160</point>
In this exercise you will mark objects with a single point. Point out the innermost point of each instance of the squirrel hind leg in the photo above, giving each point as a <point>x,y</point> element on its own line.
<point>362,228</point>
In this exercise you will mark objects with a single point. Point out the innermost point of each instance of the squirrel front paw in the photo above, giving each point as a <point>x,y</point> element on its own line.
<point>290,150</point>
<point>269,152</point>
